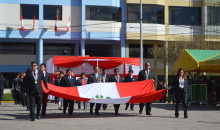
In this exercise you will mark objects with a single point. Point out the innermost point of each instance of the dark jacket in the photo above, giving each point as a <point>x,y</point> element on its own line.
<point>129,79</point>
<point>93,79</point>
<point>142,75</point>
<point>33,88</point>
<point>106,77</point>
<point>79,81</point>
<point>2,83</point>
<point>65,82</point>
<point>113,79</point>
<point>176,88</point>
<point>47,77</point>
<point>57,82</point>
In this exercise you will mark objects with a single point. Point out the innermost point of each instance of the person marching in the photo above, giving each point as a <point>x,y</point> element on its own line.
<point>82,81</point>
<point>104,79</point>
<point>95,78</point>
<point>130,78</point>
<point>57,82</point>
<point>35,89</point>
<point>68,81</point>
<point>45,96</point>
<point>180,88</point>
<point>16,89</point>
<point>145,74</point>
<point>116,78</point>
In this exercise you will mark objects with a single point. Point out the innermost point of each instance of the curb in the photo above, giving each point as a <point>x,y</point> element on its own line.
<point>7,102</point>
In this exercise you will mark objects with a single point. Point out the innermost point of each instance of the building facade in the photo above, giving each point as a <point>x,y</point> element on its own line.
<point>99,28</point>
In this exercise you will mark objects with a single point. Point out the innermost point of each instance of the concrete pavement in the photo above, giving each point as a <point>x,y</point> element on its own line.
<point>15,117</point>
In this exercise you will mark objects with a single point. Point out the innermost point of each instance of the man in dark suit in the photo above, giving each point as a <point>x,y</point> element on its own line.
<point>34,87</point>
<point>130,78</point>
<point>104,79</point>
<point>2,86</point>
<point>16,89</point>
<point>95,78</point>
<point>116,78</point>
<point>45,95</point>
<point>145,75</point>
<point>82,81</point>
<point>68,81</point>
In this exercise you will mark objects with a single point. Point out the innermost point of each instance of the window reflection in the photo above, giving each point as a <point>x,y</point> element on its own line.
<point>105,13</point>
<point>134,50</point>
<point>51,11</point>
<point>213,15</point>
<point>29,11</point>
<point>151,13</point>
<point>185,15</point>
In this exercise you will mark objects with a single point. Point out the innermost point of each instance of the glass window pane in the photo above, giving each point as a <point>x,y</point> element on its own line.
<point>185,15</point>
<point>105,13</point>
<point>213,15</point>
<point>151,13</point>
<point>17,48</point>
<point>58,49</point>
<point>51,11</point>
<point>134,51</point>
<point>29,11</point>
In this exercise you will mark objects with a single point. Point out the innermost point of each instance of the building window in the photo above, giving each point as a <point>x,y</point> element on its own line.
<point>105,13</point>
<point>51,11</point>
<point>213,15</point>
<point>58,49</point>
<point>185,15</point>
<point>134,51</point>
<point>99,50</point>
<point>151,13</point>
<point>29,11</point>
<point>17,48</point>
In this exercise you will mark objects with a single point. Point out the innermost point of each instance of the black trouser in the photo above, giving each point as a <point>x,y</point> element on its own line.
<point>181,97</point>
<point>131,107</point>
<point>97,107</point>
<point>148,107</point>
<point>17,97</point>
<point>22,99</point>
<point>104,106</point>
<point>27,102</point>
<point>44,105</point>
<point>116,106</point>
<point>69,104</point>
<point>35,99</point>
<point>1,95</point>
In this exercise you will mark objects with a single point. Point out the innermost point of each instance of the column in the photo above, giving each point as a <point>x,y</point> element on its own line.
<point>155,62</point>
<point>83,52</point>
<point>114,50</point>
<point>123,28</point>
<point>39,51</point>
<point>76,49</point>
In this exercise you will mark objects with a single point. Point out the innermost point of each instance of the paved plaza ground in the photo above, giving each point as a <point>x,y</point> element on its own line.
<point>15,117</point>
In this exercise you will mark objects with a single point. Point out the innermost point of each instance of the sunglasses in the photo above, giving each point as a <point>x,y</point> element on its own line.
<point>147,65</point>
<point>34,65</point>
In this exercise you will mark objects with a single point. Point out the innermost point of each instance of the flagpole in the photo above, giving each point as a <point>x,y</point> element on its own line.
<point>141,37</point>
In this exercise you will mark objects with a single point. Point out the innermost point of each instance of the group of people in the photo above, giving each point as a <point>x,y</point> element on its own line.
<point>33,88</point>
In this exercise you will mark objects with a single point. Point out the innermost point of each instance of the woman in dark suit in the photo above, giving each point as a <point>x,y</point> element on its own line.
<point>180,88</point>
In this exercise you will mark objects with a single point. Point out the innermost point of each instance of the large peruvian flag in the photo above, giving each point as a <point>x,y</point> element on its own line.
<point>109,93</point>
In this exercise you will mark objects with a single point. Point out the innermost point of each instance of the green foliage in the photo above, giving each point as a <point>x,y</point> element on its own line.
<point>7,97</point>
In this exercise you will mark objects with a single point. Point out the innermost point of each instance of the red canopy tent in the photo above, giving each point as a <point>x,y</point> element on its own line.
<point>86,64</point>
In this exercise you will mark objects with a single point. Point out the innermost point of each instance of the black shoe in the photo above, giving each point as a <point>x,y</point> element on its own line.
<point>148,113</point>
<point>140,112</point>
<point>132,109</point>
<point>176,115</point>
<point>186,116</point>
<point>64,112</point>
<point>126,108</point>
<point>70,114</point>
<point>32,119</point>
<point>91,112</point>
<point>38,117</point>
<point>97,113</point>
<point>43,114</point>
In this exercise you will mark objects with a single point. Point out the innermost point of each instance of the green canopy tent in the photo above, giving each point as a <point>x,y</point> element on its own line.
<point>190,60</point>
<point>211,64</point>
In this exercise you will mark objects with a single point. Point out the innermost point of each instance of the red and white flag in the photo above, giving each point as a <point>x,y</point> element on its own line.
<point>34,19</point>
<point>22,22</point>
<point>68,25</point>
<point>56,24</point>
<point>109,93</point>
